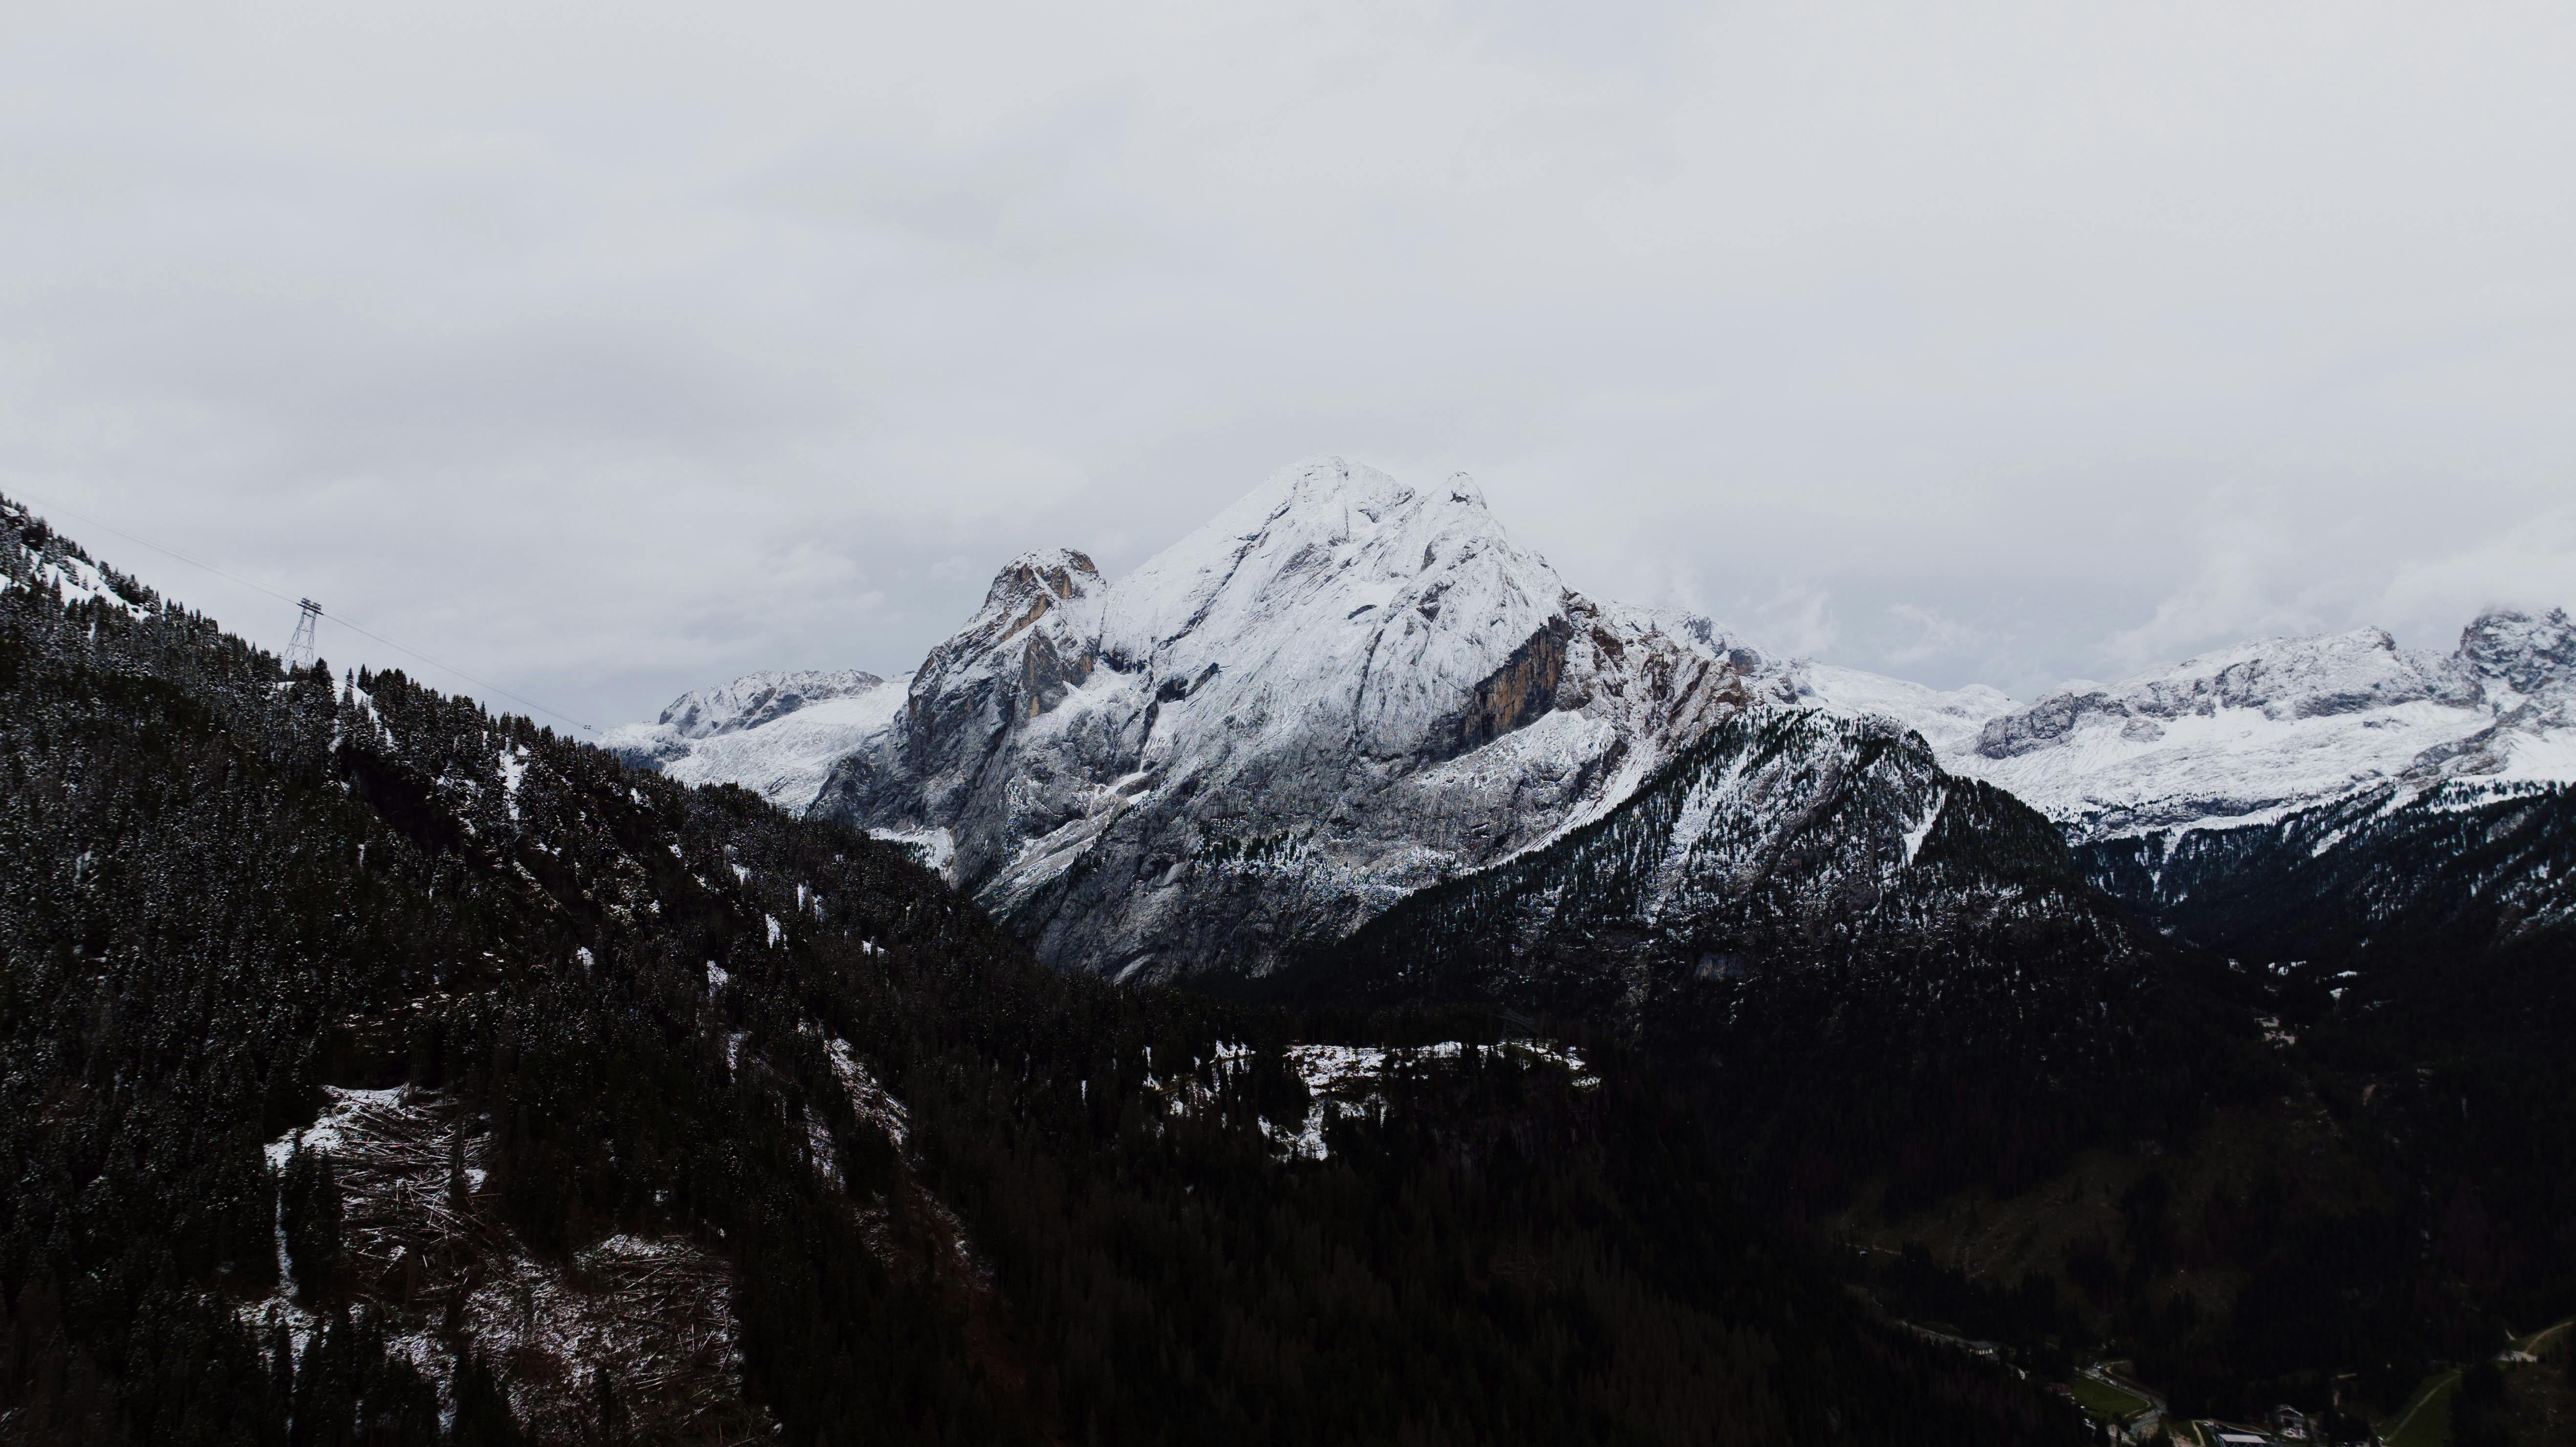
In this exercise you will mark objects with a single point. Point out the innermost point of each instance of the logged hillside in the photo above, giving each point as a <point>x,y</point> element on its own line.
<point>374,1069</point>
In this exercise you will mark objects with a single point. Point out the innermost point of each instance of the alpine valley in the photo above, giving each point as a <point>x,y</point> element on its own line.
<point>1335,983</point>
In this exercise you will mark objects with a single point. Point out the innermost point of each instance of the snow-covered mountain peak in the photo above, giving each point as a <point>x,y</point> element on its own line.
<point>1306,529</point>
<point>1323,491</point>
<point>1045,583</point>
<point>1463,489</point>
<point>1040,578</point>
<point>1334,590</point>
<point>1341,684</point>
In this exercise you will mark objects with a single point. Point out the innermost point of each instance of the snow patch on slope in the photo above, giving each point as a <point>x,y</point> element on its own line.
<point>652,1315</point>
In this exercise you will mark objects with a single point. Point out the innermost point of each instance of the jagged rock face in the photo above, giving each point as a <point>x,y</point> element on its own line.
<point>1340,689</point>
<point>2525,671</point>
<point>2534,657</point>
<point>1034,641</point>
<point>2239,736</point>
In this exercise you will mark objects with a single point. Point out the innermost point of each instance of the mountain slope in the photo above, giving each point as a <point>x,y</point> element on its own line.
<point>1822,924</point>
<point>374,1069</point>
<point>2375,872</point>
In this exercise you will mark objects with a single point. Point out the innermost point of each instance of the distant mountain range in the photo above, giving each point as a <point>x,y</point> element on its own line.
<point>1344,689</point>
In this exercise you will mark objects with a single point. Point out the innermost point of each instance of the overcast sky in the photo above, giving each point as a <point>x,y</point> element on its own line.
<point>607,350</point>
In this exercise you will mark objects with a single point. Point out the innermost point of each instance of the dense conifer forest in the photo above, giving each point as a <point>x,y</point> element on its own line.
<point>376,1069</point>
<point>2278,1122</point>
<point>2418,959</point>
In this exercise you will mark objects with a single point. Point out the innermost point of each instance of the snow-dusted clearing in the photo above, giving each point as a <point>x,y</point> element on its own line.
<point>1350,1081</point>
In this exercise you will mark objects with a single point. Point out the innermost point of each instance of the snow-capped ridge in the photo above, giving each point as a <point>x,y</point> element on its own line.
<point>758,698</point>
<point>2283,678</point>
<point>784,758</point>
<point>1949,720</point>
<point>2242,734</point>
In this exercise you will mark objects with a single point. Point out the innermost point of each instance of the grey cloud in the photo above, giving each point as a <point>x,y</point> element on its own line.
<point>620,353</point>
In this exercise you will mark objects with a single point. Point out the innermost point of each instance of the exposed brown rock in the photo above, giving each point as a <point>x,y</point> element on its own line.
<point>1517,693</point>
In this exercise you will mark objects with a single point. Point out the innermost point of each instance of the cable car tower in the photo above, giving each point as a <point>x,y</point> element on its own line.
<point>300,649</point>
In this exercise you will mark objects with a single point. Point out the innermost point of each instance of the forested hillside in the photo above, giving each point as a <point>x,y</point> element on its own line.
<point>374,1069</point>
<point>2285,1121</point>
<point>2416,951</point>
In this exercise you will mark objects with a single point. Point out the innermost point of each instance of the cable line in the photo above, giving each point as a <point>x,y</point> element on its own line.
<point>299,602</point>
